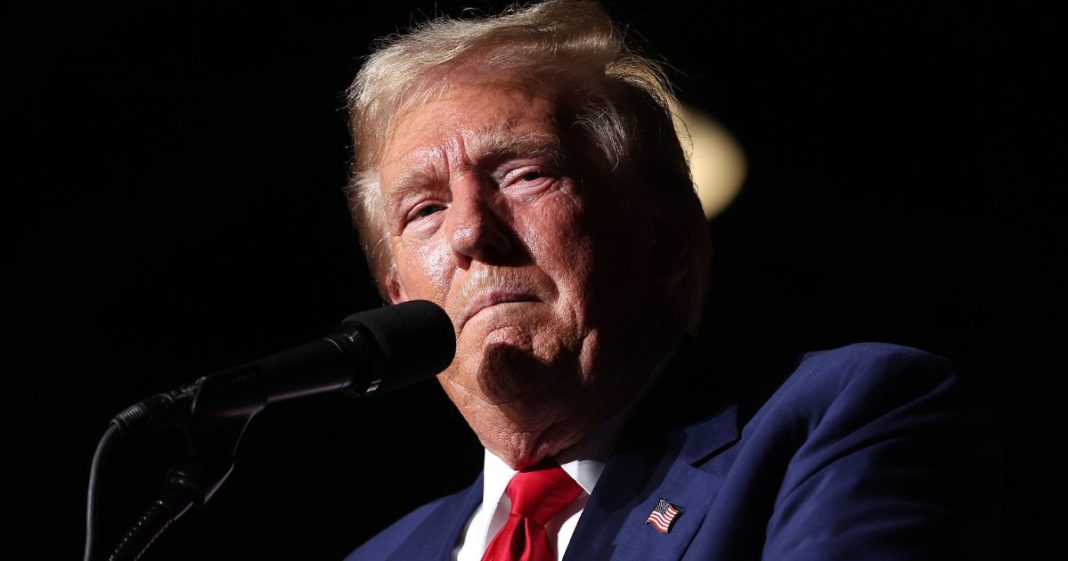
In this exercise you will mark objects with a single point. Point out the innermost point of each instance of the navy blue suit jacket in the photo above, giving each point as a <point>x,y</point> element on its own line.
<point>868,452</point>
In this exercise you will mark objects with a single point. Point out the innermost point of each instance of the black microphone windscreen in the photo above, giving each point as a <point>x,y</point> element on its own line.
<point>416,339</point>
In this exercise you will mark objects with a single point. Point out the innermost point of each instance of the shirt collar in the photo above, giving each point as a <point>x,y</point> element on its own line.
<point>584,462</point>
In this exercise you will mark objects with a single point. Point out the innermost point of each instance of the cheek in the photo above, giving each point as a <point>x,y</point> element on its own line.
<point>555,233</point>
<point>424,270</point>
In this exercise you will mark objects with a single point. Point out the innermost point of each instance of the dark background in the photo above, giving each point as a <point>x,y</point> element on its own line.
<point>176,169</point>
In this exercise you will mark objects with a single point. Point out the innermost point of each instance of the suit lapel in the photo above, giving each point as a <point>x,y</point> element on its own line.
<point>439,533</point>
<point>688,417</point>
<point>613,524</point>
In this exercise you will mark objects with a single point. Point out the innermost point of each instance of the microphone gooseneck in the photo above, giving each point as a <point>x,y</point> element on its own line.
<point>372,352</point>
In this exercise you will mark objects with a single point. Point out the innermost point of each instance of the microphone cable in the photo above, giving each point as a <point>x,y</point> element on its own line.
<point>94,486</point>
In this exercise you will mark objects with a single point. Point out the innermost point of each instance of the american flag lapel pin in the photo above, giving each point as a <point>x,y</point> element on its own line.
<point>663,516</point>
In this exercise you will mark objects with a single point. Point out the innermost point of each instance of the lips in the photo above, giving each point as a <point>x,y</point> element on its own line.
<point>492,298</point>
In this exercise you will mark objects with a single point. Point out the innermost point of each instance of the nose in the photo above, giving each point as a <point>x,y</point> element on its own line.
<point>475,230</point>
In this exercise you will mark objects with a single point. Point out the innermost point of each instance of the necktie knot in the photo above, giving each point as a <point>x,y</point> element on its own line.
<point>541,492</point>
<point>538,494</point>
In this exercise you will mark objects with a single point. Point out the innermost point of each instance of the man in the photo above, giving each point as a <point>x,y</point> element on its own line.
<point>522,172</point>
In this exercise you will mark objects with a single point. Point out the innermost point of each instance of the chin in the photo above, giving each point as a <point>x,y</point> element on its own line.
<point>528,449</point>
<point>509,374</point>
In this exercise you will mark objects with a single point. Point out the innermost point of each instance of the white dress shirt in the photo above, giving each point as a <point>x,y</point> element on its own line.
<point>584,462</point>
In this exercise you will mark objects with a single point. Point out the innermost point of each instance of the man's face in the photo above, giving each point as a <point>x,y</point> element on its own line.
<point>534,262</point>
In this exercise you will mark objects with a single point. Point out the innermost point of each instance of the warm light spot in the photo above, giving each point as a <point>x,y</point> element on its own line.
<point>717,162</point>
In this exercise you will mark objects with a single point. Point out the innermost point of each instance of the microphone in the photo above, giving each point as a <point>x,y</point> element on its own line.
<point>372,352</point>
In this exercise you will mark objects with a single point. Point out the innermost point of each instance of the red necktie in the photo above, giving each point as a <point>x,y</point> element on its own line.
<point>538,494</point>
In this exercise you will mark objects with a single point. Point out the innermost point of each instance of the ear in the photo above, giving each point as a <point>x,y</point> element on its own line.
<point>394,290</point>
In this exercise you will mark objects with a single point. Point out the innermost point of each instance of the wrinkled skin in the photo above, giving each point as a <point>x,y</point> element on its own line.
<point>512,223</point>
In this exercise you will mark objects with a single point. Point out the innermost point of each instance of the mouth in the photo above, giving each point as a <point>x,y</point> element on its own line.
<point>490,299</point>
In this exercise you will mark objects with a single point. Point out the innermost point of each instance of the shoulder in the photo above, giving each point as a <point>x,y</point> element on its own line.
<point>863,380</point>
<point>870,354</point>
<point>869,393</point>
<point>392,537</point>
<point>863,364</point>
<point>880,433</point>
<point>386,542</point>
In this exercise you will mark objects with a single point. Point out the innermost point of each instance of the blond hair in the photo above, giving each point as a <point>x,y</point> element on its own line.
<point>618,98</point>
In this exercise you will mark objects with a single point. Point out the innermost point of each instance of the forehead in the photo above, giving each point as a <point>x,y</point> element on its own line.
<point>467,119</point>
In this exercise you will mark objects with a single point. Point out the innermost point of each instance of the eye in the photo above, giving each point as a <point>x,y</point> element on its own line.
<point>424,211</point>
<point>427,210</point>
<point>526,177</point>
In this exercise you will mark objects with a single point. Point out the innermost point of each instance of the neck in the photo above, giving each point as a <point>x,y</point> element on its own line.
<point>528,430</point>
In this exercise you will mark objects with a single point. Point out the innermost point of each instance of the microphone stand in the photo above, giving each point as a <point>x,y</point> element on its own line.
<point>221,411</point>
<point>184,488</point>
<point>409,342</point>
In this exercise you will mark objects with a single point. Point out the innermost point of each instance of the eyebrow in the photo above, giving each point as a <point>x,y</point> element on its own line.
<point>487,145</point>
<point>499,142</point>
